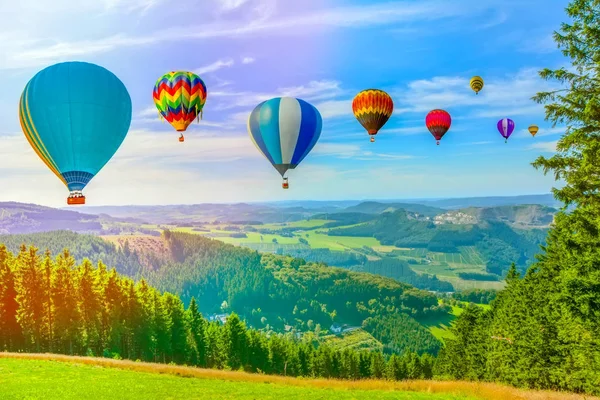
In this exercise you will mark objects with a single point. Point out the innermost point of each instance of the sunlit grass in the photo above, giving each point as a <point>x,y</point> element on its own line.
<point>40,376</point>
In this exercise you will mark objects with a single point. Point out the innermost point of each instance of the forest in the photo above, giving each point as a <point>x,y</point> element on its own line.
<point>551,313</point>
<point>56,305</point>
<point>268,291</point>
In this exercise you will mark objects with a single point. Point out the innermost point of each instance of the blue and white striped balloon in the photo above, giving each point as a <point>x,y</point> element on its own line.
<point>285,130</point>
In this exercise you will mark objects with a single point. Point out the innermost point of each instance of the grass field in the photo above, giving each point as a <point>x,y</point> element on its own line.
<point>50,377</point>
<point>439,325</point>
<point>356,339</point>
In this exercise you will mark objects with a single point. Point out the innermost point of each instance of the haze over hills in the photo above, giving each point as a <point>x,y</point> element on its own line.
<point>429,247</point>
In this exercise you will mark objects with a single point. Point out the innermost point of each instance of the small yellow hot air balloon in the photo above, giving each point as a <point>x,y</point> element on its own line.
<point>476,84</point>
<point>533,129</point>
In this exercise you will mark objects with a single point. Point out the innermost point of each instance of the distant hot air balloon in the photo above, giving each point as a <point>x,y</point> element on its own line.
<point>438,122</point>
<point>75,115</point>
<point>372,108</point>
<point>476,84</point>
<point>506,126</point>
<point>533,129</point>
<point>284,130</point>
<point>180,97</point>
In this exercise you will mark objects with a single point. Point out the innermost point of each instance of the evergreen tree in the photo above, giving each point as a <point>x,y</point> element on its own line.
<point>10,330</point>
<point>197,331</point>
<point>235,342</point>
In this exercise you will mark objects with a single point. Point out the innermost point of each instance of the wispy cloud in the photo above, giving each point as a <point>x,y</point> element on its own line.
<point>549,147</point>
<point>32,51</point>
<point>313,91</point>
<point>217,65</point>
<point>354,151</point>
<point>247,60</point>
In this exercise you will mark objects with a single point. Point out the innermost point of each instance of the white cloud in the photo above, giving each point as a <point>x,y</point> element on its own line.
<point>217,65</point>
<point>353,151</point>
<point>313,91</point>
<point>501,96</point>
<point>524,133</point>
<point>248,60</point>
<point>549,147</point>
<point>27,50</point>
<point>229,5</point>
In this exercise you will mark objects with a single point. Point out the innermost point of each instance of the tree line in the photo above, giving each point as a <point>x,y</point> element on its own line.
<point>56,305</point>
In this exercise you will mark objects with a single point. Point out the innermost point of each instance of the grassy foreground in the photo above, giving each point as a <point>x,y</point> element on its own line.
<point>48,377</point>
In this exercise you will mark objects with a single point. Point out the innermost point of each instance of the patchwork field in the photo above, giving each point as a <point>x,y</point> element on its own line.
<point>311,235</point>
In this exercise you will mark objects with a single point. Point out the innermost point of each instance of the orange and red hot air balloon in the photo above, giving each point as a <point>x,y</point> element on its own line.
<point>372,108</point>
<point>438,122</point>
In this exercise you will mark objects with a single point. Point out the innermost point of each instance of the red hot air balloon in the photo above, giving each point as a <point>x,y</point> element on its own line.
<point>438,122</point>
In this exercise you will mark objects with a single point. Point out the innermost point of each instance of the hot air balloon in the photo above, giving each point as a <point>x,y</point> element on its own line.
<point>438,122</point>
<point>75,115</point>
<point>180,97</point>
<point>476,84</point>
<point>372,108</point>
<point>533,129</point>
<point>284,130</point>
<point>506,126</point>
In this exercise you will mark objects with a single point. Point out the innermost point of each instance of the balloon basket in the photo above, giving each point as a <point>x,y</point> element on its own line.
<point>437,142</point>
<point>75,200</point>
<point>372,139</point>
<point>285,184</point>
<point>181,139</point>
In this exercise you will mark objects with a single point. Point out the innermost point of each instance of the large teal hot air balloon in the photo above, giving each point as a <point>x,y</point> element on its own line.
<point>285,130</point>
<point>75,115</point>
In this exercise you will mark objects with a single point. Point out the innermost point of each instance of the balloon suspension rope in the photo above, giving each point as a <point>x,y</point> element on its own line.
<point>438,142</point>
<point>505,140</point>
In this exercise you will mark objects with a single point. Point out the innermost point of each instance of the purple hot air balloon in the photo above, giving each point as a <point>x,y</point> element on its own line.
<point>506,126</point>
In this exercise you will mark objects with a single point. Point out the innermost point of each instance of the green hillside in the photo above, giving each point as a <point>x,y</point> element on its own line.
<point>270,292</point>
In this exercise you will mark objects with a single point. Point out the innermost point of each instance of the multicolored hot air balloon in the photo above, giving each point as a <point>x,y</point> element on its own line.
<point>476,84</point>
<point>180,97</point>
<point>533,129</point>
<point>438,122</point>
<point>285,130</point>
<point>75,115</point>
<point>506,126</point>
<point>372,108</point>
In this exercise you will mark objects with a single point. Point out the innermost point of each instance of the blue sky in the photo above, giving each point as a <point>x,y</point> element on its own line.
<point>323,51</point>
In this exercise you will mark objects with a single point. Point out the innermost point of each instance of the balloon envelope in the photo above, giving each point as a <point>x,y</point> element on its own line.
<point>438,122</point>
<point>476,84</point>
<point>179,97</point>
<point>284,130</point>
<point>533,129</point>
<point>506,126</point>
<point>75,115</point>
<point>372,108</point>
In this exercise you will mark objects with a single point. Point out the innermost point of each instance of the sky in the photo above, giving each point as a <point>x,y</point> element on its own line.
<point>422,52</point>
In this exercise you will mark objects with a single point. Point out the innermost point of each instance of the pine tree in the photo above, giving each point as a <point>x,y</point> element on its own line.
<point>197,332</point>
<point>10,330</point>
<point>30,314</point>
<point>67,317</point>
<point>90,306</point>
<point>235,342</point>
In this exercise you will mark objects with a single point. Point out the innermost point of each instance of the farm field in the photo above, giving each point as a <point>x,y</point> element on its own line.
<point>356,339</point>
<point>446,266</point>
<point>50,377</point>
